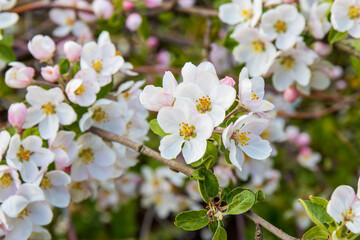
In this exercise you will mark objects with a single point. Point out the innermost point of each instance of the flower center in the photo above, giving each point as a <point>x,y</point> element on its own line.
<point>203,104</point>
<point>254,96</point>
<point>80,90</point>
<point>348,215</point>
<point>24,154</point>
<point>247,13</point>
<point>5,180</point>
<point>187,131</point>
<point>288,62</point>
<point>259,46</point>
<point>48,108</point>
<point>242,137</point>
<point>280,26</point>
<point>99,115</point>
<point>354,12</point>
<point>24,213</point>
<point>70,21</point>
<point>87,155</point>
<point>97,65</point>
<point>46,183</point>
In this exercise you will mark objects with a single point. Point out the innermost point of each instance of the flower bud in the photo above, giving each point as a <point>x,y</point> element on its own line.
<point>227,81</point>
<point>128,5</point>
<point>50,74</point>
<point>17,114</point>
<point>42,47</point>
<point>19,76</point>
<point>103,9</point>
<point>305,151</point>
<point>291,94</point>
<point>336,72</point>
<point>133,21</point>
<point>322,49</point>
<point>163,58</point>
<point>153,3</point>
<point>341,85</point>
<point>152,42</point>
<point>303,140</point>
<point>72,51</point>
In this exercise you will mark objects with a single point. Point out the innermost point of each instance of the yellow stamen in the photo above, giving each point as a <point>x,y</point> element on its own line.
<point>87,155</point>
<point>288,62</point>
<point>280,26</point>
<point>354,12</point>
<point>100,115</point>
<point>187,131</point>
<point>46,183</point>
<point>80,90</point>
<point>48,108</point>
<point>254,96</point>
<point>5,180</point>
<point>242,138</point>
<point>203,104</point>
<point>23,154</point>
<point>24,213</point>
<point>97,65</point>
<point>259,46</point>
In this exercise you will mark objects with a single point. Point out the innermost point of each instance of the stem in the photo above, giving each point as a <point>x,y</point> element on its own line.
<point>238,107</point>
<point>348,49</point>
<point>183,169</point>
<point>43,83</point>
<point>355,236</point>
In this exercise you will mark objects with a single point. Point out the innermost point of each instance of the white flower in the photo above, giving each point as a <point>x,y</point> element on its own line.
<point>64,147</point>
<point>257,52</point>
<point>7,19</point>
<point>309,159</point>
<point>284,24</point>
<point>345,16</point>
<point>103,58</point>
<point>95,159</point>
<point>344,206</point>
<point>251,93</point>
<point>27,155</point>
<point>7,4</point>
<point>83,88</point>
<point>23,210</point>
<point>209,96</point>
<point>244,11</point>
<point>154,98</point>
<point>9,182</point>
<point>80,191</point>
<point>65,18</point>
<point>185,125</point>
<point>48,109</point>
<point>4,142</point>
<point>108,115</point>
<point>319,77</point>
<point>318,22</point>
<point>243,136</point>
<point>190,72</point>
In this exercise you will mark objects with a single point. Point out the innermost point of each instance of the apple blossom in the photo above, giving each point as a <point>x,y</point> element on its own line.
<point>133,21</point>
<point>224,175</point>
<point>152,42</point>
<point>72,51</point>
<point>103,9</point>
<point>322,49</point>
<point>17,114</point>
<point>9,182</point>
<point>19,76</point>
<point>243,136</point>
<point>184,125</point>
<point>190,72</point>
<point>341,85</point>
<point>50,74</point>
<point>345,16</point>
<point>42,47</point>
<point>291,94</point>
<point>4,142</point>
<point>95,159</point>
<point>227,81</point>
<point>65,18</point>
<point>80,191</point>
<point>318,23</point>
<point>284,24</point>
<point>83,88</point>
<point>128,5</point>
<point>303,139</point>
<point>309,159</point>
<point>48,110</point>
<point>7,19</point>
<point>163,58</point>
<point>64,147</point>
<point>27,155</point>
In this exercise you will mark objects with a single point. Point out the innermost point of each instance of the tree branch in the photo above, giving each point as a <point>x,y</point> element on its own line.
<point>346,48</point>
<point>183,169</point>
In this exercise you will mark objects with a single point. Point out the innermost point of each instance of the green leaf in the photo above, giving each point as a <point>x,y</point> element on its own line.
<point>229,42</point>
<point>208,183</point>
<point>30,132</point>
<point>355,63</point>
<point>7,40</point>
<point>220,234</point>
<point>230,196</point>
<point>241,203</point>
<point>210,157</point>
<point>316,212</point>
<point>260,196</point>
<point>335,36</point>
<point>155,127</point>
<point>319,200</point>
<point>144,29</point>
<point>76,68</point>
<point>213,226</point>
<point>104,91</point>
<point>6,53</point>
<point>224,193</point>
<point>64,66</point>
<point>192,220</point>
<point>316,233</point>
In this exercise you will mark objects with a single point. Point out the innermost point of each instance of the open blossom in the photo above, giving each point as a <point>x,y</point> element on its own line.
<point>308,159</point>
<point>4,142</point>
<point>9,182</point>
<point>65,18</point>
<point>209,96</point>
<point>50,73</point>
<point>64,147</point>
<point>95,159</point>
<point>251,93</point>
<point>245,12</point>
<point>27,155</point>
<point>48,110</point>
<point>345,16</point>
<point>42,47</point>
<point>318,22</point>
<point>283,23</point>
<point>344,206</point>
<point>103,8</point>
<point>154,98</point>
<point>190,72</point>
<point>17,114</point>
<point>19,76</point>
<point>185,126</point>
<point>22,211</point>
<point>257,52</point>
<point>83,88</point>
<point>243,136</point>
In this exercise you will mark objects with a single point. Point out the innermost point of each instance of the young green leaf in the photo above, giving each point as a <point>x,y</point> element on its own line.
<point>155,127</point>
<point>319,200</point>
<point>6,53</point>
<point>316,233</point>
<point>210,157</point>
<point>230,196</point>
<point>64,66</point>
<point>192,220</point>
<point>260,196</point>
<point>335,36</point>
<point>208,183</point>
<point>220,234</point>
<point>316,212</point>
<point>241,203</point>
<point>213,226</point>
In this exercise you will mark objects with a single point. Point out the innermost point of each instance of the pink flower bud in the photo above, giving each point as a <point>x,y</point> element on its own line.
<point>163,58</point>
<point>341,85</point>
<point>42,47</point>
<point>322,49</point>
<point>153,3</point>
<point>50,74</point>
<point>133,21</point>
<point>19,76</point>
<point>291,94</point>
<point>227,81</point>
<point>103,9</point>
<point>152,42</point>
<point>128,5</point>
<point>72,51</point>
<point>305,151</point>
<point>336,72</point>
<point>17,114</point>
<point>186,3</point>
<point>303,140</point>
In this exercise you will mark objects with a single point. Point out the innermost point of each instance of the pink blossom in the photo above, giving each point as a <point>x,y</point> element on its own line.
<point>17,114</point>
<point>19,76</point>
<point>133,21</point>
<point>72,51</point>
<point>227,81</point>
<point>163,58</point>
<point>50,74</point>
<point>303,140</point>
<point>341,84</point>
<point>128,5</point>
<point>336,72</point>
<point>291,94</point>
<point>152,42</point>
<point>42,47</point>
<point>322,49</point>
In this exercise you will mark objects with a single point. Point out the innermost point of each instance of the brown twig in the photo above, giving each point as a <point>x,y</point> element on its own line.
<point>43,83</point>
<point>46,5</point>
<point>346,48</point>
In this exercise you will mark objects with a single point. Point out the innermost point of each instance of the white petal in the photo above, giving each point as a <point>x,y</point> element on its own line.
<point>230,13</point>
<point>58,196</point>
<point>14,205</point>
<point>49,126</point>
<point>302,74</point>
<point>340,202</point>
<point>194,149</point>
<point>65,113</point>
<point>40,213</point>
<point>258,148</point>
<point>170,146</point>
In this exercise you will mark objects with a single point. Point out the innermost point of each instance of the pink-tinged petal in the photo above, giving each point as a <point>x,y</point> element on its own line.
<point>154,98</point>
<point>169,82</point>
<point>40,213</point>
<point>58,178</point>
<point>223,95</point>
<point>188,72</point>
<point>194,149</point>
<point>31,192</point>
<point>34,116</point>
<point>341,200</point>
<point>226,135</point>
<point>100,173</point>
<point>58,196</point>
<point>257,148</point>
<point>79,171</point>
<point>170,145</point>
<point>14,205</point>
<point>236,155</point>
<point>65,113</point>
<point>49,126</point>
